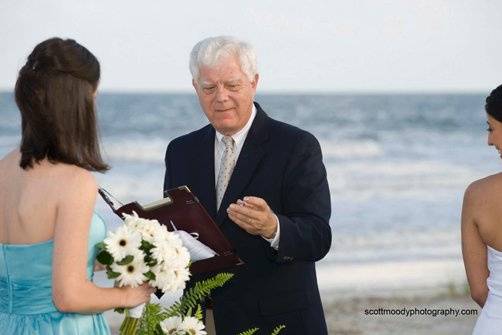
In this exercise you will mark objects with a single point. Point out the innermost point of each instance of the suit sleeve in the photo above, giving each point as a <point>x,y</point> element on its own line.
<point>304,218</point>
<point>167,175</point>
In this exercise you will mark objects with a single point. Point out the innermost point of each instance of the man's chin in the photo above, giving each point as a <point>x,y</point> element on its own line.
<point>226,129</point>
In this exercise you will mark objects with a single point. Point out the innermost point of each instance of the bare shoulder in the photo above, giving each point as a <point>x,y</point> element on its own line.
<point>3,161</point>
<point>9,157</point>
<point>483,189</point>
<point>8,164</point>
<point>74,179</point>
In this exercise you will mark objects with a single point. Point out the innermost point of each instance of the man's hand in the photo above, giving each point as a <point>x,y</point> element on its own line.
<point>254,216</point>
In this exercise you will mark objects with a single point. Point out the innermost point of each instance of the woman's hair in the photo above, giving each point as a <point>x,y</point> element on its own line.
<point>55,93</point>
<point>493,104</point>
<point>209,51</point>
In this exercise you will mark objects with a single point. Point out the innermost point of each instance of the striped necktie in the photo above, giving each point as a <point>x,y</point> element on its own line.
<point>226,168</point>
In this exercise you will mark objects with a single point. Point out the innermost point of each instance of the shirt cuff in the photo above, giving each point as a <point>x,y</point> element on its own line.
<point>274,242</point>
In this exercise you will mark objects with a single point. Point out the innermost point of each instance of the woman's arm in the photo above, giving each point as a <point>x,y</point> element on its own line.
<point>72,291</point>
<point>473,247</point>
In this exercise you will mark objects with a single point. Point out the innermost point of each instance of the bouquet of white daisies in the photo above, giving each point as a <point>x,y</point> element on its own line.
<point>144,251</point>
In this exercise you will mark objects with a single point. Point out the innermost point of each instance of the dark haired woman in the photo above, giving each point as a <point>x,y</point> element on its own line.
<point>482,231</point>
<point>47,192</point>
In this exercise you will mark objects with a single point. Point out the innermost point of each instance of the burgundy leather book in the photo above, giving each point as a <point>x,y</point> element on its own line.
<point>183,208</point>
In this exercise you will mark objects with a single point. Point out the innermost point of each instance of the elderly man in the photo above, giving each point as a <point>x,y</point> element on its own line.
<point>264,183</point>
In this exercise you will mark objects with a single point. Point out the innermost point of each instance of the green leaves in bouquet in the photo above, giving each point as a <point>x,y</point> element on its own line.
<point>100,246</point>
<point>193,296</point>
<point>150,261</point>
<point>110,273</point>
<point>189,305</point>
<point>104,257</point>
<point>147,250</point>
<point>278,329</point>
<point>252,331</point>
<point>152,316</point>
<point>146,246</point>
<point>126,260</point>
<point>198,313</point>
<point>150,275</point>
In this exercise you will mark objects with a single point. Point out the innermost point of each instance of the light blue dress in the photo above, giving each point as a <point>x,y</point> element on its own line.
<point>26,305</point>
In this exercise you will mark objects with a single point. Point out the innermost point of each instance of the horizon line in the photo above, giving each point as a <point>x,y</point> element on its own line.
<point>300,92</point>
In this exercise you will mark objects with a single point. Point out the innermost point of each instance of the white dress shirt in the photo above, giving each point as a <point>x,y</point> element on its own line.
<point>239,139</point>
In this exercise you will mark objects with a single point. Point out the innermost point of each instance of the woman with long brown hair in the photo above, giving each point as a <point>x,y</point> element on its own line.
<point>48,228</point>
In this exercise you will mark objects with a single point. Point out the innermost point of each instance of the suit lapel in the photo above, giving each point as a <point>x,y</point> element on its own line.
<point>249,158</point>
<point>204,170</point>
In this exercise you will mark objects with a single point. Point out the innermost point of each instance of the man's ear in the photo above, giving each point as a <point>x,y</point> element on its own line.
<point>194,84</point>
<point>254,83</point>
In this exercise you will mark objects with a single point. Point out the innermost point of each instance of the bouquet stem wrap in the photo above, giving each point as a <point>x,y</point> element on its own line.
<point>132,319</point>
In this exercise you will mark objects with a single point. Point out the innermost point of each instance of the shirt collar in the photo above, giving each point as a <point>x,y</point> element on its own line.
<point>241,134</point>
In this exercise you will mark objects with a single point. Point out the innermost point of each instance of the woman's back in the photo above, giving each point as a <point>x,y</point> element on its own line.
<point>482,231</point>
<point>486,201</point>
<point>28,199</point>
<point>28,206</point>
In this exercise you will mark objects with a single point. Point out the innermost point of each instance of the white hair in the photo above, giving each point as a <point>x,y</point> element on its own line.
<point>211,50</point>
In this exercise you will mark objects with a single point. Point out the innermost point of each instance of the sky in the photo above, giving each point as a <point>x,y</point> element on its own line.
<point>302,46</point>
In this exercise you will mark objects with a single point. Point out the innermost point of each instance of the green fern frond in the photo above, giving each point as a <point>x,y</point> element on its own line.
<point>250,331</point>
<point>278,329</point>
<point>198,313</point>
<point>152,316</point>
<point>195,294</point>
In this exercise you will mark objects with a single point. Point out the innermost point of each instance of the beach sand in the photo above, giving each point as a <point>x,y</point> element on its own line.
<point>345,315</point>
<point>348,290</point>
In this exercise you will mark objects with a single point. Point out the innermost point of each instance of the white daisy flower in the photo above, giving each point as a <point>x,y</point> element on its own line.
<point>122,243</point>
<point>193,326</point>
<point>162,232</point>
<point>164,236</point>
<point>164,278</point>
<point>171,325</point>
<point>131,220</point>
<point>170,250</point>
<point>175,240</point>
<point>182,257</point>
<point>164,252</point>
<point>148,229</point>
<point>132,274</point>
<point>181,277</point>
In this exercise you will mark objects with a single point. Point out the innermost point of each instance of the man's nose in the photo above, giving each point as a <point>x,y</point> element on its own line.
<point>221,94</point>
<point>490,142</point>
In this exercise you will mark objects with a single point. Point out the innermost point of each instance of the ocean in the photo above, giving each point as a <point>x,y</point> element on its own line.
<point>397,166</point>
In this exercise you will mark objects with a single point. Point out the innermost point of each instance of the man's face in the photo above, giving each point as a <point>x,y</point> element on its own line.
<point>226,95</point>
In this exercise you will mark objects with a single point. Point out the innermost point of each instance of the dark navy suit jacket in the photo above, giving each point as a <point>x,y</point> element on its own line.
<point>283,165</point>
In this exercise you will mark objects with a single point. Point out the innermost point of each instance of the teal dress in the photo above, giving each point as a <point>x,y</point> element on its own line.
<point>26,305</point>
